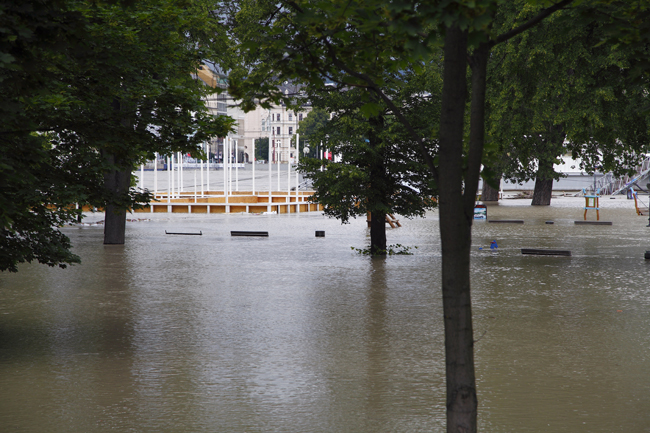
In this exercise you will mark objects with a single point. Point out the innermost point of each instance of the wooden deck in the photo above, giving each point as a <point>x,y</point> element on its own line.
<point>238,202</point>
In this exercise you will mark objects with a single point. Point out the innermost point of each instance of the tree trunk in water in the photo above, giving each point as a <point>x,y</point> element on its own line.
<point>377,233</point>
<point>378,195</point>
<point>543,185</point>
<point>455,235</point>
<point>489,193</point>
<point>117,183</point>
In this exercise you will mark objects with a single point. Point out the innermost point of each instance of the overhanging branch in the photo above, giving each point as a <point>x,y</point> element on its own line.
<point>531,23</point>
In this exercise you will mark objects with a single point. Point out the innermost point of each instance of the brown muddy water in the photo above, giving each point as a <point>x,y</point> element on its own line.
<point>294,333</point>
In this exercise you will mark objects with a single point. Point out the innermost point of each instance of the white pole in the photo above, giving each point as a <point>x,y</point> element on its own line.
<point>208,169</point>
<point>173,177</point>
<point>194,185</point>
<point>142,176</point>
<point>270,166</point>
<point>254,166</point>
<point>289,175</point>
<point>223,163</point>
<point>155,174</point>
<point>277,159</point>
<point>236,165</point>
<point>169,179</point>
<point>297,174</point>
<point>229,166</point>
<point>177,166</point>
<point>321,155</point>
<point>202,177</point>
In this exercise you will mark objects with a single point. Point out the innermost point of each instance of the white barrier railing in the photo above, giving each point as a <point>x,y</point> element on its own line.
<point>609,185</point>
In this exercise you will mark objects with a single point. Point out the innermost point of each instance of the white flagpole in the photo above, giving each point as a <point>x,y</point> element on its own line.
<point>173,177</point>
<point>297,174</point>
<point>254,166</point>
<point>169,179</point>
<point>289,175</point>
<point>179,174</point>
<point>270,167</point>
<point>207,146</point>
<point>155,174</point>
<point>224,149</point>
<point>227,167</point>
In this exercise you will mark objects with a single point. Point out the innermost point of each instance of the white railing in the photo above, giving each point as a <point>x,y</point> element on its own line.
<point>610,185</point>
<point>149,165</point>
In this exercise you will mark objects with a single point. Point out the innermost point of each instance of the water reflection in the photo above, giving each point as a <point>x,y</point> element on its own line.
<point>295,333</point>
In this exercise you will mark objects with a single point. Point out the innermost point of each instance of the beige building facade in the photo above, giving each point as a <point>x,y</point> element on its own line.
<point>279,124</point>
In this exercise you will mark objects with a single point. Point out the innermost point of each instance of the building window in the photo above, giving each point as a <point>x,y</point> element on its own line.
<point>290,130</point>
<point>278,129</point>
<point>277,117</point>
<point>299,117</point>
<point>290,117</point>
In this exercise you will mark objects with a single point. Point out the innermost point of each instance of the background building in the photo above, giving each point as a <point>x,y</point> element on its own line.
<point>221,104</point>
<point>279,124</point>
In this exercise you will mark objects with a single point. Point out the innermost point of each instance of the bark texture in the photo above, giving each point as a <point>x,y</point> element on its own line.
<point>379,191</point>
<point>117,184</point>
<point>543,185</point>
<point>488,193</point>
<point>377,233</point>
<point>455,234</point>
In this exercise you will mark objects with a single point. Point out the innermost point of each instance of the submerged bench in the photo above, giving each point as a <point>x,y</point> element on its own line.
<point>246,233</point>
<point>188,234</point>
<point>535,252</point>
<point>507,221</point>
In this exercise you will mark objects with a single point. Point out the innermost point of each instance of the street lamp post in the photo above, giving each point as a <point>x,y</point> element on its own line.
<point>648,188</point>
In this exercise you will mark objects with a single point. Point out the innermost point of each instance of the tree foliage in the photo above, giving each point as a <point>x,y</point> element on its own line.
<point>91,88</point>
<point>376,168</point>
<point>308,129</point>
<point>365,145</point>
<point>555,90</point>
<point>262,148</point>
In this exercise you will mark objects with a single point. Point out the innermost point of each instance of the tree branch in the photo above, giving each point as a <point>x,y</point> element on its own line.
<point>530,23</point>
<point>398,113</point>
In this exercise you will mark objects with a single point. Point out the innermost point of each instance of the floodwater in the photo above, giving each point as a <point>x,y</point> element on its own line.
<point>294,333</point>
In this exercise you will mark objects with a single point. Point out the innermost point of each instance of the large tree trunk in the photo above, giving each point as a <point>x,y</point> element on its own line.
<point>543,185</point>
<point>117,184</point>
<point>379,194</point>
<point>455,235</point>
<point>377,233</point>
<point>488,193</point>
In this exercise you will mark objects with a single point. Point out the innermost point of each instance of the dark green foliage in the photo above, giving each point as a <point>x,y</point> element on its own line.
<point>37,188</point>
<point>379,169</point>
<point>89,89</point>
<point>391,250</point>
<point>555,90</point>
<point>308,127</point>
<point>262,148</point>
